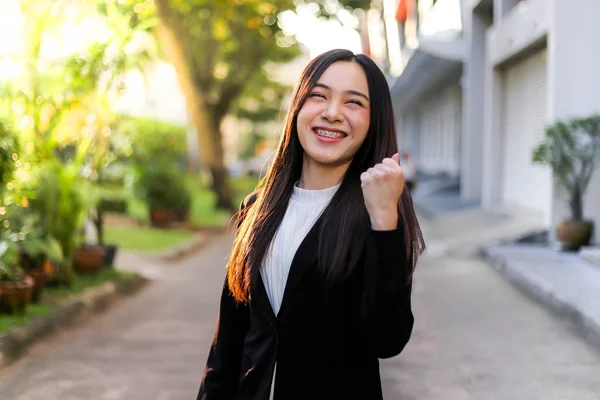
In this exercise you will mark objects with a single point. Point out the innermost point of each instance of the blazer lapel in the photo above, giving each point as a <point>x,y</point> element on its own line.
<point>262,300</point>
<point>304,258</point>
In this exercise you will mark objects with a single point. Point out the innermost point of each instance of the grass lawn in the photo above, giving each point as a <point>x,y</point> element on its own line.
<point>53,296</point>
<point>143,238</point>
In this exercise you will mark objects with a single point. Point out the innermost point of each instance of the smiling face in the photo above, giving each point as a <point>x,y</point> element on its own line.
<point>334,119</point>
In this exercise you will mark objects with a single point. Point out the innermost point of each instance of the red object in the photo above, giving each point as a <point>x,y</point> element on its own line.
<point>402,11</point>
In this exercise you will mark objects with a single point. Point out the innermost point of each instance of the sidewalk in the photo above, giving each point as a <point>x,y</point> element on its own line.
<point>564,282</point>
<point>567,284</point>
<point>152,346</point>
<point>437,195</point>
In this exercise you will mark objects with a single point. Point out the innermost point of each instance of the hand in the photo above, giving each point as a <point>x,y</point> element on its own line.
<point>382,187</point>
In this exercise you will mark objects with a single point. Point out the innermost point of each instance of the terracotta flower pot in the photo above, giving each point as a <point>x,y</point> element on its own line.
<point>15,296</point>
<point>161,217</point>
<point>39,277</point>
<point>574,234</point>
<point>88,259</point>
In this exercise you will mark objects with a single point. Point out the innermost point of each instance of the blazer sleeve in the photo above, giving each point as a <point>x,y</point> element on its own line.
<point>388,313</point>
<point>222,371</point>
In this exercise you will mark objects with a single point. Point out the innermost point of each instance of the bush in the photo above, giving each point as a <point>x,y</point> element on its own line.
<point>114,204</point>
<point>152,141</point>
<point>164,187</point>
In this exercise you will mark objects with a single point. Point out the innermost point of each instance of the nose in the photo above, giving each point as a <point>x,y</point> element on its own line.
<point>332,112</point>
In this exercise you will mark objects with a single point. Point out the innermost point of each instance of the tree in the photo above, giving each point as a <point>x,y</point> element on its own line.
<point>217,48</point>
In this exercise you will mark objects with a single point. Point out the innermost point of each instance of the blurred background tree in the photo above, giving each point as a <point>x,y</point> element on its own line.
<point>218,48</point>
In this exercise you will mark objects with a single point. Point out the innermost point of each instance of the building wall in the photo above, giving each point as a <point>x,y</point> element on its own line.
<point>567,29</point>
<point>575,75</point>
<point>476,23</point>
<point>440,127</point>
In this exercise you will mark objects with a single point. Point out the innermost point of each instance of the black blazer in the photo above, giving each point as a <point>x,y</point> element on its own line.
<point>326,340</point>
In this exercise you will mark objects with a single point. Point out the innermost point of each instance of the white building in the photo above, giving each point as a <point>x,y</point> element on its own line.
<point>473,98</point>
<point>540,64</point>
<point>425,67</point>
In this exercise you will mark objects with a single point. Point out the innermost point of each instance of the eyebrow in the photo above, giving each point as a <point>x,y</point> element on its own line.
<point>355,92</point>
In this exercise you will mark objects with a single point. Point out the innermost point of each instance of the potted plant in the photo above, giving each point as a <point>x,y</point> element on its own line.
<point>89,254</point>
<point>15,286</point>
<point>572,150</point>
<point>182,201</point>
<point>102,155</point>
<point>37,253</point>
<point>61,208</point>
<point>164,190</point>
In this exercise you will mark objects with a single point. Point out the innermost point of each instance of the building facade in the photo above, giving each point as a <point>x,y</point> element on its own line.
<point>477,81</point>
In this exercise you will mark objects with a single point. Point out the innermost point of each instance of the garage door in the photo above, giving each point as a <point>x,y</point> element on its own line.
<point>440,130</point>
<point>525,184</point>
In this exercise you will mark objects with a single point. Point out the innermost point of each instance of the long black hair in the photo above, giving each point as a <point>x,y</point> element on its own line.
<point>345,221</point>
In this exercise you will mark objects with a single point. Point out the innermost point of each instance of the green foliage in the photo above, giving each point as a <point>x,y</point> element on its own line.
<point>10,271</point>
<point>145,238</point>
<point>25,231</point>
<point>146,141</point>
<point>60,203</point>
<point>572,150</point>
<point>9,145</point>
<point>50,89</point>
<point>162,186</point>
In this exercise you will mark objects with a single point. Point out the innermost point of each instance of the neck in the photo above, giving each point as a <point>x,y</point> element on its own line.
<point>316,176</point>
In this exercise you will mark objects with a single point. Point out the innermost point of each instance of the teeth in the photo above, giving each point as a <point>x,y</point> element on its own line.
<point>329,134</point>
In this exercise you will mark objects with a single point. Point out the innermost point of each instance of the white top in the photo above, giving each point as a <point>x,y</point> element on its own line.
<point>304,208</point>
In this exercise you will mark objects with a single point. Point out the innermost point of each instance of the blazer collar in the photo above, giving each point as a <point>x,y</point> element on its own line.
<point>304,258</point>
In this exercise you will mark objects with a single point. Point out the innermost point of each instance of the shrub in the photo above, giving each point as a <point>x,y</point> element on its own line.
<point>152,141</point>
<point>164,187</point>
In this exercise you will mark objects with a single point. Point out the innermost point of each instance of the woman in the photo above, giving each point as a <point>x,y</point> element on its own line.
<point>319,280</point>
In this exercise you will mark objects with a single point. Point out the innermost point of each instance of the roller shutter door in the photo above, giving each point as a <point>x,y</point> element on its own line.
<point>525,184</point>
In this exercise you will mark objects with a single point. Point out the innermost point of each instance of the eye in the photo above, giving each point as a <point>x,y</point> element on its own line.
<point>317,94</point>
<point>356,102</point>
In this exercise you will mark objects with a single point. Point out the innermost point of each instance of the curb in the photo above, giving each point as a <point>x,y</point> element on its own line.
<point>16,341</point>
<point>588,327</point>
<point>185,249</point>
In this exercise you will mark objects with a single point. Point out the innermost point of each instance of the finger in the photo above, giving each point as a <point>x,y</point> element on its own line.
<point>382,167</point>
<point>396,157</point>
<point>375,173</point>
<point>365,177</point>
<point>391,163</point>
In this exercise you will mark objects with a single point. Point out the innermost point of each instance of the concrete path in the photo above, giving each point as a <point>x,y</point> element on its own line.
<point>150,347</point>
<point>475,338</point>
